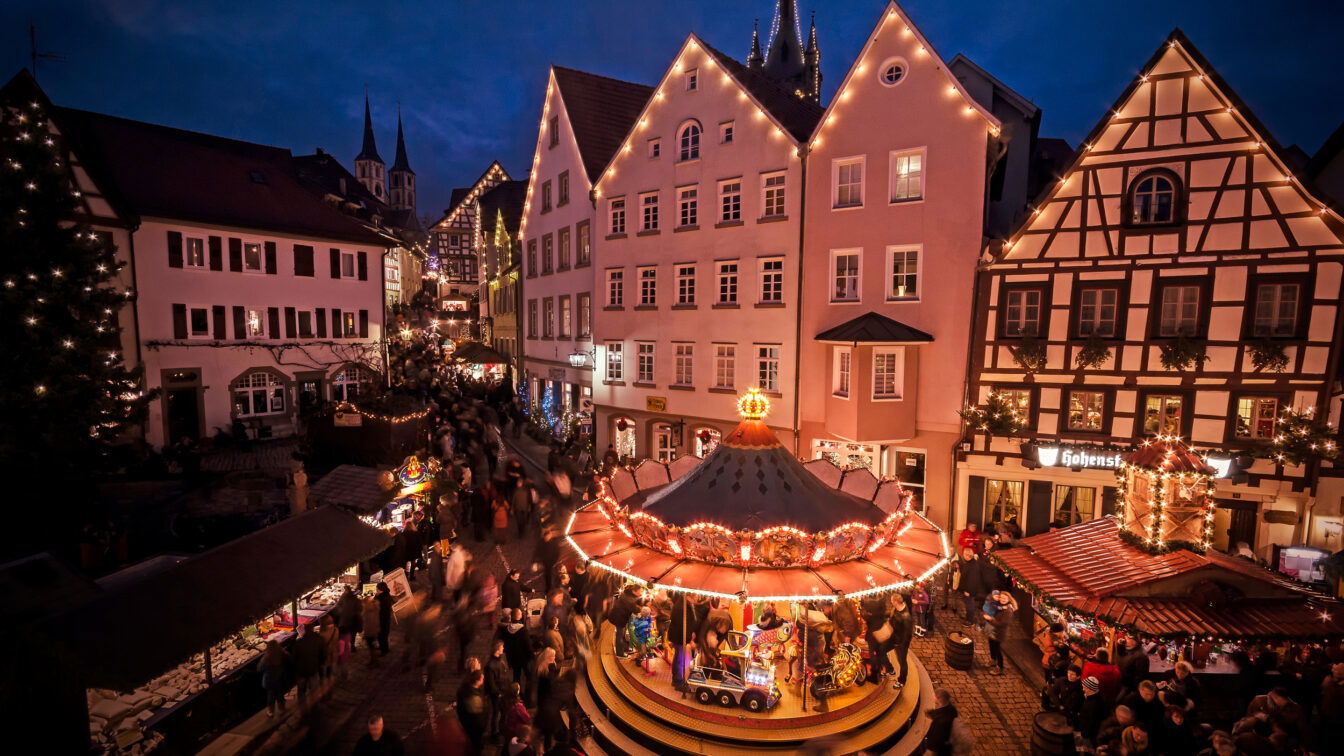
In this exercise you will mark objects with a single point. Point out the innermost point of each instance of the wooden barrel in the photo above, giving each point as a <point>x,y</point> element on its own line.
<point>1051,735</point>
<point>959,650</point>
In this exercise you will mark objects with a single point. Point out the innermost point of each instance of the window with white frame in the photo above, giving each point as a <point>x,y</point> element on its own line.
<point>767,367</point>
<point>772,280</point>
<point>256,322</point>
<point>688,206</point>
<point>840,369</point>
<point>727,283</point>
<point>252,259</point>
<point>348,269</point>
<point>198,319</point>
<point>1022,312</point>
<point>907,175</point>
<point>888,372</point>
<point>585,315</point>
<point>648,287</point>
<point>566,317</point>
<point>692,80</point>
<point>845,275</point>
<point>903,272</point>
<point>726,132</point>
<point>725,365</point>
<point>772,195</point>
<point>847,182</point>
<point>258,393</point>
<point>1257,417</point>
<point>685,364</point>
<point>685,284</point>
<point>648,205</point>
<point>548,318</point>
<point>655,148</point>
<point>730,200</point>
<point>615,287</point>
<point>615,361</point>
<point>688,142</point>
<point>644,362</point>
<point>349,383</point>
<point>194,247</point>
<point>617,215</point>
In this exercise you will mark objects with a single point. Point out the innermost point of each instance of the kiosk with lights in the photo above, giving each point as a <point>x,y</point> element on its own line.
<point>761,534</point>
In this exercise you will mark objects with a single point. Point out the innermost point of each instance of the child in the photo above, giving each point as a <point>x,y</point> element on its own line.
<point>991,606</point>
<point>922,603</point>
<point>642,638</point>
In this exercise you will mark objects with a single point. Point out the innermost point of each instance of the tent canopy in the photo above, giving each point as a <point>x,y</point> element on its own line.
<point>353,487</point>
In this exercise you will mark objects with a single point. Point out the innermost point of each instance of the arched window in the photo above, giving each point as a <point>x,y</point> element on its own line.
<point>706,440</point>
<point>349,383</point>
<point>689,139</point>
<point>259,392</point>
<point>1152,199</point>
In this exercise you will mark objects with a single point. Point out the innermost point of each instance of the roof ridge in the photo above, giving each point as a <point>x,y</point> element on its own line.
<point>601,76</point>
<point>172,129</point>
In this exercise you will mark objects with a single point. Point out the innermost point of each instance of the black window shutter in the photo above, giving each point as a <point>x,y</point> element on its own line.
<point>335,263</point>
<point>290,320</point>
<point>1110,500</point>
<point>235,255</point>
<point>270,258</point>
<point>363,266</point>
<point>363,323</point>
<point>1038,507</point>
<point>303,260</point>
<point>221,324</point>
<point>174,249</point>
<point>179,321</point>
<point>239,322</point>
<point>273,322</point>
<point>321,322</point>
<point>336,331</point>
<point>975,499</point>
<point>216,253</point>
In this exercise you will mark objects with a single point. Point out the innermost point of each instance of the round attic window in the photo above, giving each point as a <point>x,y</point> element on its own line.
<point>892,72</point>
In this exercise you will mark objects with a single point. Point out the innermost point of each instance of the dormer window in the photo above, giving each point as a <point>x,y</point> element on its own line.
<point>1152,199</point>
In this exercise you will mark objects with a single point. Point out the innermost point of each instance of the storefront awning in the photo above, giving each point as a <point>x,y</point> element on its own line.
<point>127,636</point>
<point>474,353</point>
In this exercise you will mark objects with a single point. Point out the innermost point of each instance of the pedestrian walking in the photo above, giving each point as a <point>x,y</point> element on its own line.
<point>902,630</point>
<point>384,599</point>
<point>371,624</point>
<point>275,676</point>
<point>309,650</point>
<point>380,740</point>
<point>996,627</point>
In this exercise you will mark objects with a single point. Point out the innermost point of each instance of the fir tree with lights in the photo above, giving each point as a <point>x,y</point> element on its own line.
<point>66,395</point>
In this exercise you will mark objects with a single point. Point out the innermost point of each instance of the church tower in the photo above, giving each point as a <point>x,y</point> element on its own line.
<point>754,58</point>
<point>812,59</point>
<point>401,176</point>
<point>369,167</point>
<point>795,69</point>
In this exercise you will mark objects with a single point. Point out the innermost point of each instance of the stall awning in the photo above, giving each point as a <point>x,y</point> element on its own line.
<point>1088,568</point>
<point>353,487</point>
<point>125,637</point>
<point>474,353</point>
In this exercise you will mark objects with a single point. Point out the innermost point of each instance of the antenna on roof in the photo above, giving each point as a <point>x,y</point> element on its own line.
<point>35,55</point>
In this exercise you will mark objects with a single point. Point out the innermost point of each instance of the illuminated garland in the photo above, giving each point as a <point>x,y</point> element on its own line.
<point>1196,485</point>
<point>348,407</point>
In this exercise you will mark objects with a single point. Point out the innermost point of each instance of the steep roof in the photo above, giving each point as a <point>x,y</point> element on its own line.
<point>400,163</point>
<point>507,198</point>
<point>369,151</point>
<point>601,111</point>
<point>185,175</point>
<point>873,328</point>
<point>324,173</point>
<point>798,115</point>
<point>1027,107</point>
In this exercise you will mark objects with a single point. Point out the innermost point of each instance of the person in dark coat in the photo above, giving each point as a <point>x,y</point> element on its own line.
<point>349,617</point>
<point>1145,704</point>
<point>384,599</point>
<point>875,610</point>
<point>1093,711</point>
<point>547,555</point>
<point>308,652</point>
<point>474,709</point>
<point>555,694</point>
<point>578,586</point>
<point>1133,663</point>
<point>498,685</point>
<point>902,631</point>
<point>511,592</point>
<point>1065,694</point>
<point>938,739</point>
<point>380,740</point>
<point>971,587</point>
<point>619,616</point>
<point>517,647</point>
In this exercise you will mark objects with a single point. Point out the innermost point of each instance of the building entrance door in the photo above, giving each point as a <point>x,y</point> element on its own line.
<point>184,414</point>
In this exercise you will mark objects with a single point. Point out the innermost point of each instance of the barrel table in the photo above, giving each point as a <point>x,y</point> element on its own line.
<point>1051,735</point>
<point>959,650</point>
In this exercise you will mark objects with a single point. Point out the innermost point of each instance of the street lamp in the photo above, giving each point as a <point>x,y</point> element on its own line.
<point>579,358</point>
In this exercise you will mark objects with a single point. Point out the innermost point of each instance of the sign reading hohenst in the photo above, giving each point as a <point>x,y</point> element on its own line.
<point>1085,457</point>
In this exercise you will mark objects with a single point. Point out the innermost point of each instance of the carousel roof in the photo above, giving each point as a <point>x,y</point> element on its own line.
<point>1168,454</point>
<point>751,482</point>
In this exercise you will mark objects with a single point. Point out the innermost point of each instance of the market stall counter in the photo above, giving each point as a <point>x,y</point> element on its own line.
<point>170,659</point>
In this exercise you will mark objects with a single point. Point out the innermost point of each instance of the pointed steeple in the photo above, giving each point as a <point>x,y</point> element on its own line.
<point>400,163</point>
<point>370,150</point>
<point>812,57</point>
<point>784,58</point>
<point>812,50</point>
<point>754,58</point>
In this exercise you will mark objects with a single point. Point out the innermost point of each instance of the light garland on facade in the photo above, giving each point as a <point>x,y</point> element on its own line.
<point>395,420</point>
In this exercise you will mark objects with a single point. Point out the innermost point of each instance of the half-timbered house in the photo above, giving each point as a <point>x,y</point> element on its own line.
<point>1178,279</point>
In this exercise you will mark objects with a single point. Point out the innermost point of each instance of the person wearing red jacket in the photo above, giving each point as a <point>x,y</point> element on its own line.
<point>969,537</point>
<point>1107,674</point>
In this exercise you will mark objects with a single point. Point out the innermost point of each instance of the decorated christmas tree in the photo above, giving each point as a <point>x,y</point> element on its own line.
<point>66,395</point>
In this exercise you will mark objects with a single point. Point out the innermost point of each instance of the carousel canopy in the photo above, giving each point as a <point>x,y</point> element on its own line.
<point>1088,568</point>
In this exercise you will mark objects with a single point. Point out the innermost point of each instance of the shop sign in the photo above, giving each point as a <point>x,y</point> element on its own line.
<point>655,403</point>
<point>348,420</point>
<point>1085,457</point>
<point>556,374</point>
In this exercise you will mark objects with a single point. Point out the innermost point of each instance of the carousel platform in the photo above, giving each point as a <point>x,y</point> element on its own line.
<point>634,713</point>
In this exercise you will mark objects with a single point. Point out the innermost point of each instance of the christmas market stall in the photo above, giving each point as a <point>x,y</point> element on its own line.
<point>1151,574</point>
<point>785,552</point>
<point>479,361</point>
<point>168,659</point>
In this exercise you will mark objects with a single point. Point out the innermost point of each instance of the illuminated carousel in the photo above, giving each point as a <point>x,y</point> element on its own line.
<point>786,550</point>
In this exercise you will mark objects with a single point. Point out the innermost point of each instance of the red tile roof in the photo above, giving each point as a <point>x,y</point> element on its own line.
<point>1089,568</point>
<point>601,111</point>
<point>1171,455</point>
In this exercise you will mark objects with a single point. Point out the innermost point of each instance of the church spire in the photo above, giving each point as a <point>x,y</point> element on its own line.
<point>400,163</point>
<point>812,57</point>
<point>370,150</point>
<point>784,58</point>
<point>401,177</point>
<point>754,59</point>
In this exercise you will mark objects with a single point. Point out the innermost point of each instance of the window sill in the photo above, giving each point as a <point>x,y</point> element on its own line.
<point>689,161</point>
<point>773,393</point>
<point>613,383</point>
<point>545,210</point>
<point>680,387</point>
<point>902,300</point>
<point>858,206</point>
<point>909,201</point>
<point>644,384</point>
<point>772,219</point>
<point>729,224</point>
<point>679,229</point>
<point>610,237</point>
<point>584,264</point>
<point>721,391</point>
<point>886,399</point>
<point>650,232</point>
<point>726,306</point>
<point>685,307</point>
<point>562,269</point>
<point>548,338</point>
<point>769,305</point>
<point>845,301</point>
<point>646,307</point>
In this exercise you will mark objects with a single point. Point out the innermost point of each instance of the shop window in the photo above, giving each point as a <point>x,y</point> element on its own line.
<point>908,468</point>
<point>1003,501</point>
<point>1257,417</point>
<point>349,383</point>
<point>1086,411</point>
<point>623,437</point>
<point>258,393</point>
<point>1162,414</point>
<point>1075,504</point>
<point>706,441</point>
